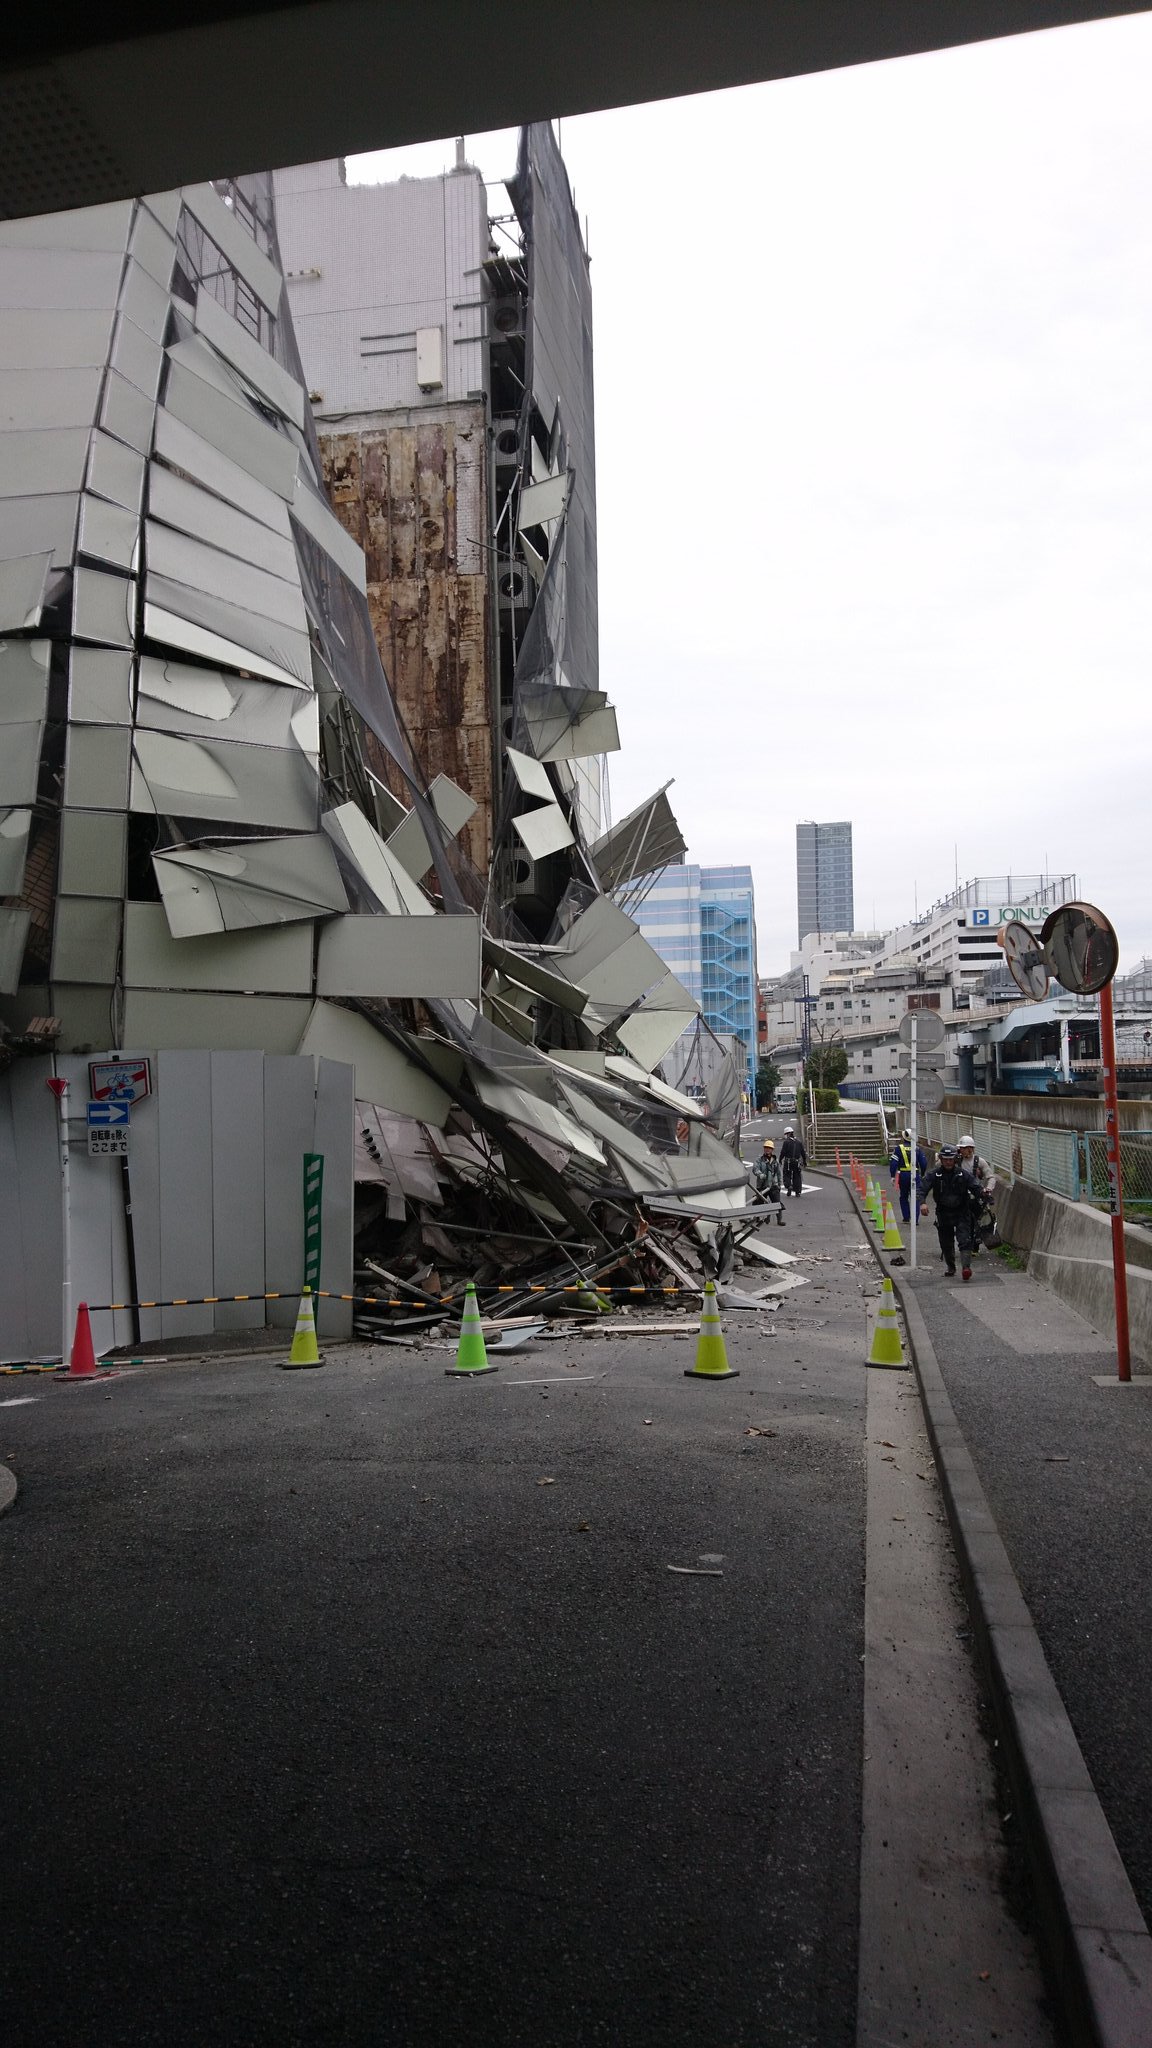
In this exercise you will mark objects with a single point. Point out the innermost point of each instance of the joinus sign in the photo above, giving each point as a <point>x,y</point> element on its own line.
<point>1008,913</point>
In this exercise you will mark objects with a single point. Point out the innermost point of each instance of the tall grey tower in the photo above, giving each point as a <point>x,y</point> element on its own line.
<point>823,878</point>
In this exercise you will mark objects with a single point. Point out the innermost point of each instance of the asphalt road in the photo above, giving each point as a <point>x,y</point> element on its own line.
<point>326,1722</point>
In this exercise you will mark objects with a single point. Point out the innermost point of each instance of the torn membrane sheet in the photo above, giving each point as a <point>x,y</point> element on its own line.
<point>564,724</point>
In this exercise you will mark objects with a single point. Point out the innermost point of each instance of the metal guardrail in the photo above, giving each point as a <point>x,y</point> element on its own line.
<point>1135,1170</point>
<point>1069,1163</point>
<point>1049,1158</point>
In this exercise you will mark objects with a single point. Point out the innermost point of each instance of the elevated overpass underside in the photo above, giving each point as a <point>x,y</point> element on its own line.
<point>107,105</point>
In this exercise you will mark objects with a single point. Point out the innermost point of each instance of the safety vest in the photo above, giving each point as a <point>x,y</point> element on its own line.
<point>905,1159</point>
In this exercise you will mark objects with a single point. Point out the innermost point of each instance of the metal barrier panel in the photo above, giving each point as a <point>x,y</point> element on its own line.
<point>1058,1155</point>
<point>1135,1170</point>
<point>1026,1152</point>
<point>1000,1147</point>
<point>1049,1157</point>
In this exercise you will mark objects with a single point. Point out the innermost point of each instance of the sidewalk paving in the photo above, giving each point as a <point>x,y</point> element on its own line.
<point>1066,1466</point>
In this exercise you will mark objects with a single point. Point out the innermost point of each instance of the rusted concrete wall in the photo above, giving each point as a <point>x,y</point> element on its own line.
<point>412,490</point>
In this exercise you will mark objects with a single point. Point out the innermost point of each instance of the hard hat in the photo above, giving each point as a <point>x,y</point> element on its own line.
<point>788,1131</point>
<point>769,1144</point>
<point>965,1140</point>
<point>906,1134</point>
<point>948,1152</point>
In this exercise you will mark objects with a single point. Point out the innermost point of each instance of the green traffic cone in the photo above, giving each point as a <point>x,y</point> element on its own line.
<point>891,1240</point>
<point>886,1347</point>
<point>471,1355</point>
<point>711,1356</point>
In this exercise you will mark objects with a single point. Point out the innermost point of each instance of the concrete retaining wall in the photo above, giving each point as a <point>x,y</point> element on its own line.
<point>1070,1246</point>
<point>1051,1112</point>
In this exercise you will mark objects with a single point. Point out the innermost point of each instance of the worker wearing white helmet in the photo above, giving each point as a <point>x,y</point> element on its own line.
<point>984,1231</point>
<point>979,1168</point>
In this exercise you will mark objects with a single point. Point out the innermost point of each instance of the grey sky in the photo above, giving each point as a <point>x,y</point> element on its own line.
<point>874,450</point>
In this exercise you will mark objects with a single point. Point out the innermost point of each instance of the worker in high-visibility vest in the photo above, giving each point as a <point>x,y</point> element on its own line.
<point>900,1170</point>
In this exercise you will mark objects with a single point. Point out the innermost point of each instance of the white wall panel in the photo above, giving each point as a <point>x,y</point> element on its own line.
<point>289,1130</point>
<point>238,1185</point>
<point>54,341</point>
<point>30,1213</point>
<point>223,1022</point>
<point>335,1138</point>
<point>184,1106</point>
<point>275,959</point>
<point>372,264</point>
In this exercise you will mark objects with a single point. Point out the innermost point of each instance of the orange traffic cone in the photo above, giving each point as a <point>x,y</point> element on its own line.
<point>82,1364</point>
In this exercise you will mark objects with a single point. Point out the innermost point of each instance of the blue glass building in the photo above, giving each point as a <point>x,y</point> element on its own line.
<point>702,921</point>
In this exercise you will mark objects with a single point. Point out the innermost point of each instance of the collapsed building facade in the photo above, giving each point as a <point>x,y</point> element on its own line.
<point>223,859</point>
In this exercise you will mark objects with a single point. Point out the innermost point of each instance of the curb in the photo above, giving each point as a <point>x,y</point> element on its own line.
<point>8,1489</point>
<point>1095,1946</point>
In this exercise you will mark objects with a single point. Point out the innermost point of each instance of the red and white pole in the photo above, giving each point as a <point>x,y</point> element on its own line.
<point>1115,1186</point>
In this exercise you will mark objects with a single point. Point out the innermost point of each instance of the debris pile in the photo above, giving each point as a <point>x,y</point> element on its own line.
<point>562,1184</point>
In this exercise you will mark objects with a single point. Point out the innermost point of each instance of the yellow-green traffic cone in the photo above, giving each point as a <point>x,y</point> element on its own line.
<point>304,1349</point>
<point>471,1355</point>
<point>711,1357</point>
<point>886,1347</point>
<point>891,1240</point>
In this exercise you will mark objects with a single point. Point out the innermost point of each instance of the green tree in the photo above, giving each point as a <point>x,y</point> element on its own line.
<point>826,1065</point>
<point>767,1082</point>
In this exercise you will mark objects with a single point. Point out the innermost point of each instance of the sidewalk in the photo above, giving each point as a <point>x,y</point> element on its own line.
<point>1066,1466</point>
<point>1045,1473</point>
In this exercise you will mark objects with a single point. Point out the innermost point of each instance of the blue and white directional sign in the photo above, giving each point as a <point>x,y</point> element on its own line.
<point>108,1126</point>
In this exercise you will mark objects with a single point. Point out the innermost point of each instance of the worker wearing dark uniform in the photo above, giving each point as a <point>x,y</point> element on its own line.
<point>958,1200</point>
<point>793,1160</point>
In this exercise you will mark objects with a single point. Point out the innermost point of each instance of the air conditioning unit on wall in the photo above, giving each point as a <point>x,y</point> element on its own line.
<point>506,317</point>
<point>516,588</point>
<point>506,443</point>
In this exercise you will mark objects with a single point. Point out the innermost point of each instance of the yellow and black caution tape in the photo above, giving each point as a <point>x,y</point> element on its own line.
<point>386,1300</point>
<point>364,1300</point>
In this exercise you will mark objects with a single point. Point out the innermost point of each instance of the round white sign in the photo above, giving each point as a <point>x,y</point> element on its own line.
<point>929,1029</point>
